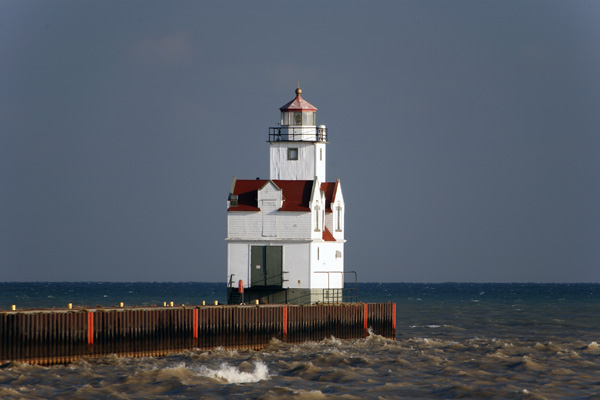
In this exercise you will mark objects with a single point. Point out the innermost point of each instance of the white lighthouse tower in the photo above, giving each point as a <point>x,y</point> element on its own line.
<point>285,235</point>
<point>298,145</point>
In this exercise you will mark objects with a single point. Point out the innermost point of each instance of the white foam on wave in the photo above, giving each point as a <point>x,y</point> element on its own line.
<point>230,374</point>
<point>593,347</point>
<point>334,341</point>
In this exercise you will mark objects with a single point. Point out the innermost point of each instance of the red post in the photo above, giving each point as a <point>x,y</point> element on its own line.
<point>366,314</point>
<point>90,328</point>
<point>394,319</point>
<point>241,286</point>
<point>285,325</point>
<point>195,334</point>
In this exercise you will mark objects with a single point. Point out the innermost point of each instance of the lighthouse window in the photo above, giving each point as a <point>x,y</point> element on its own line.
<point>317,213</point>
<point>292,154</point>
<point>285,118</point>
<point>308,118</point>
<point>339,218</point>
<point>297,118</point>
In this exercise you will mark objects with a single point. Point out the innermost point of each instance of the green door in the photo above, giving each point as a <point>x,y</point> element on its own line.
<point>266,266</point>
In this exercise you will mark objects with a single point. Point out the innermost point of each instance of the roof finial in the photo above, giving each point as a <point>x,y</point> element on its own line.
<point>298,91</point>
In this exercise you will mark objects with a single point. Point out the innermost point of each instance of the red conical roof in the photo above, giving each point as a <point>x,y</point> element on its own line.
<point>298,104</point>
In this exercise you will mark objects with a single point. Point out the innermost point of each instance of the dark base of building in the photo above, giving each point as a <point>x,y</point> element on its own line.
<point>277,295</point>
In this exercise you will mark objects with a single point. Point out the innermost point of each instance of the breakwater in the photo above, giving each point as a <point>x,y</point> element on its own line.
<point>61,336</point>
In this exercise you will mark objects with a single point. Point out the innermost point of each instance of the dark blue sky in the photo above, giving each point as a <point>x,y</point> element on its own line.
<point>466,134</point>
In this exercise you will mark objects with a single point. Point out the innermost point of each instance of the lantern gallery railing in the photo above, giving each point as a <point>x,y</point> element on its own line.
<point>298,133</point>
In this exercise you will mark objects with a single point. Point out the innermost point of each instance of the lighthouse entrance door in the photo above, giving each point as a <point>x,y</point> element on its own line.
<point>266,266</point>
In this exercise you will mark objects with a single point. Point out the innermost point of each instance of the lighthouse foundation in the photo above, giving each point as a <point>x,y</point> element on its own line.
<point>275,295</point>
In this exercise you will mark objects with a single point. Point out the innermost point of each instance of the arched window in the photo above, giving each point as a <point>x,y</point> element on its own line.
<point>339,219</point>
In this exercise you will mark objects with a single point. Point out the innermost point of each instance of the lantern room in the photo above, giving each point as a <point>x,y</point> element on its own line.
<point>298,112</point>
<point>298,122</point>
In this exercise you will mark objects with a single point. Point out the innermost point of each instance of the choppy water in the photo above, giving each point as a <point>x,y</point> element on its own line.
<point>454,341</point>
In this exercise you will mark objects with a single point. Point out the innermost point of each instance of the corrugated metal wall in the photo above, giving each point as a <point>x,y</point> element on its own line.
<point>61,336</point>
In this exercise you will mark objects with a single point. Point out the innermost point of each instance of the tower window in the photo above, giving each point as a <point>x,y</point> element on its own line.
<point>320,154</point>
<point>317,214</point>
<point>293,153</point>
<point>339,219</point>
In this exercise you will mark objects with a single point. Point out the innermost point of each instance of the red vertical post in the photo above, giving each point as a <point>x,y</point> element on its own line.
<point>195,324</point>
<point>90,329</point>
<point>394,319</point>
<point>365,315</point>
<point>285,325</point>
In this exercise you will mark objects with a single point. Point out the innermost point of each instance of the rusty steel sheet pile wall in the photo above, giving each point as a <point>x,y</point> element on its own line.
<point>62,336</point>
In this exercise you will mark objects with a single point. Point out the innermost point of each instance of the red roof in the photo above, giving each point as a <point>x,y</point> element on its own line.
<point>296,194</point>
<point>298,104</point>
<point>329,189</point>
<point>327,236</point>
<point>246,191</point>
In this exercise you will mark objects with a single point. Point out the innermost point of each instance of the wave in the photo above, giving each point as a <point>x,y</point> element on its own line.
<point>229,374</point>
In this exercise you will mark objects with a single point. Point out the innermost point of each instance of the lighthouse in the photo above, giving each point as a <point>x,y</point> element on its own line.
<point>285,234</point>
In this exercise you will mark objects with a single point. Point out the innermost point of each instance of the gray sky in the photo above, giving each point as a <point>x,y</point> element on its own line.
<point>466,133</point>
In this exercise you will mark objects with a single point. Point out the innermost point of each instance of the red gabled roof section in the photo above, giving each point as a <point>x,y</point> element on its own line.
<point>329,188</point>
<point>327,236</point>
<point>298,104</point>
<point>246,190</point>
<point>296,194</point>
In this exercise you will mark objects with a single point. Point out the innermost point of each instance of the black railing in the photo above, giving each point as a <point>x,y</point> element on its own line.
<point>340,295</point>
<point>329,295</point>
<point>233,295</point>
<point>345,295</point>
<point>298,133</point>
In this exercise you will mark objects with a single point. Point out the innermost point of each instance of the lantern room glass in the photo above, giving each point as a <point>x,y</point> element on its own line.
<point>298,118</point>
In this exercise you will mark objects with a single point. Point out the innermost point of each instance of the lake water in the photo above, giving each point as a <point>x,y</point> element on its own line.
<point>454,340</point>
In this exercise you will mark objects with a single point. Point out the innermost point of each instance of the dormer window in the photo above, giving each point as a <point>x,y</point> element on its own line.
<point>317,215</point>
<point>339,219</point>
